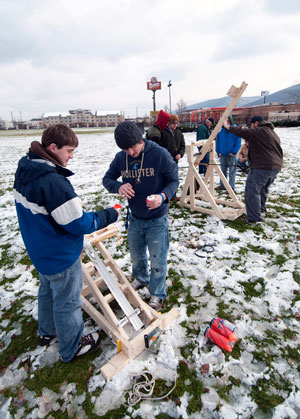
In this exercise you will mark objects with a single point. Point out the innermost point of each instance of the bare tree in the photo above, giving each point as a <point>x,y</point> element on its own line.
<point>181,105</point>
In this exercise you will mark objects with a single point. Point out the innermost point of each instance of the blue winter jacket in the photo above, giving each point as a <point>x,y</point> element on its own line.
<point>227,143</point>
<point>152,172</point>
<point>52,221</point>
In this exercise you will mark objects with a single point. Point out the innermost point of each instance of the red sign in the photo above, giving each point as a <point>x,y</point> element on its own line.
<point>153,84</point>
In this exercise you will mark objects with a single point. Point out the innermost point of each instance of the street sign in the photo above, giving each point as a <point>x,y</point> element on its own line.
<point>153,84</point>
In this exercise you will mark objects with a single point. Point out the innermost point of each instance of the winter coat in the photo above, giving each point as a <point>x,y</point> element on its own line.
<point>152,172</point>
<point>52,221</point>
<point>264,150</point>
<point>227,143</point>
<point>203,132</point>
<point>173,141</point>
<point>154,134</point>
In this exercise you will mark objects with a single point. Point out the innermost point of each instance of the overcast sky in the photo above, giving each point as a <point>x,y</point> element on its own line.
<point>58,55</point>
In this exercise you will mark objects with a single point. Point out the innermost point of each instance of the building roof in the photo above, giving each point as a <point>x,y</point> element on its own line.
<point>53,114</point>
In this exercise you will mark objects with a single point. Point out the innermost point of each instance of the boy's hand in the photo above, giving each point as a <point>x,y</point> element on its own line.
<point>126,191</point>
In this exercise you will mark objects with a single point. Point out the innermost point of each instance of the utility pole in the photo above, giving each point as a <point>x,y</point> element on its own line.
<point>153,97</point>
<point>169,86</point>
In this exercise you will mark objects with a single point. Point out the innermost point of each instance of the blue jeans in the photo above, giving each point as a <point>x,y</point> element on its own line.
<point>59,308</point>
<point>202,168</point>
<point>228,164</point>
<point>256,191</point>
<point>151,234</point>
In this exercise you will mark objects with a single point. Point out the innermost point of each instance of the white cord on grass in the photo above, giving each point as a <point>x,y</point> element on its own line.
<point>143,390</point>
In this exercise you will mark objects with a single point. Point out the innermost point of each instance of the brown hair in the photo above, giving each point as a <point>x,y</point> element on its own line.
<point>60,135</point>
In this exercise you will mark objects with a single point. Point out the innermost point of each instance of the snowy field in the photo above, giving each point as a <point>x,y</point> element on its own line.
<point>252,278</point>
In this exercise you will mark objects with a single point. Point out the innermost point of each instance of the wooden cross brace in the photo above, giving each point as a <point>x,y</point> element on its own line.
<point>202,189</point>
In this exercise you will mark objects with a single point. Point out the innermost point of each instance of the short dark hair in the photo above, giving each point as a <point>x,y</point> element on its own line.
<point>256,118</point>
<point>60,135</point>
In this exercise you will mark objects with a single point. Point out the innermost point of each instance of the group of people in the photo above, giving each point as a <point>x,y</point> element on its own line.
<point>53,223</point>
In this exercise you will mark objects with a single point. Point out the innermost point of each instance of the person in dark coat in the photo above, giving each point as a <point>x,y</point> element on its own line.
<point>172,139</point>
<point>154,132</point>
<point>265,158</point>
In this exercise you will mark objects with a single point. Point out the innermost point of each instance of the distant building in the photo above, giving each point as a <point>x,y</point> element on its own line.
<point>6,124</point>
<point>271,112</point>
<point>83,118</point>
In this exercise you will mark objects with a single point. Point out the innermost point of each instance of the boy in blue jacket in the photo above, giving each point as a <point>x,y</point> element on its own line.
<point>146,170</point>
<point>53,223</point>
<point>227,147</point>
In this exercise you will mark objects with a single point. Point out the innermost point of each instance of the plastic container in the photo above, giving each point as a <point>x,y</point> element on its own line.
<point>218,326</point>
<point>229,325</point>
<point>150,198</point>
<point>221,341</point>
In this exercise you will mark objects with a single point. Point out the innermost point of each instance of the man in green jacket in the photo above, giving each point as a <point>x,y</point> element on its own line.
<point>203,133</point>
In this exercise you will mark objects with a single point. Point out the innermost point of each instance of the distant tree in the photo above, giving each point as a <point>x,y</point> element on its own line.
<point>181,106</point>
<point>166,108</point>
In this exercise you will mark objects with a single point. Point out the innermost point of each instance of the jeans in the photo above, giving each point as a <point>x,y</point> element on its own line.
<point>228,164</point>
<point>59,308</point>
<point>256,191</point>
<point>202,168</point>
<point>152,235</point>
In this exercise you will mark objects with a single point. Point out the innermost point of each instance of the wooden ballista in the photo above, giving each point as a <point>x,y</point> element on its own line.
<point>202,189</point>
<point>106,283</point>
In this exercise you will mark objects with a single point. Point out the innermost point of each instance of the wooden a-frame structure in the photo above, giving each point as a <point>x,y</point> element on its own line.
<point>199,193</point>
<point>108,286</point>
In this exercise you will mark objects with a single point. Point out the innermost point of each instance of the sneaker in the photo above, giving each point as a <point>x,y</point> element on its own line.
<point>136,285</point>
<point>45,340</point>
<point>87,344</point>
<point>250,222</point>
<point>155,302</point>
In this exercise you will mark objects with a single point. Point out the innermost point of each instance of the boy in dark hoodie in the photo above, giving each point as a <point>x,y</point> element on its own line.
<point>52,223</point>
<point>154,132</point>
<point>146,170</point>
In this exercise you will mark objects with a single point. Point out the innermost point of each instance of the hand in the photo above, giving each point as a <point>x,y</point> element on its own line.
<point>156,202</point>
<point>126,191</point>
<point>178,157</point>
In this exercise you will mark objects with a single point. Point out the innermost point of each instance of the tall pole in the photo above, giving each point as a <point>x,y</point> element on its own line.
<point>153,97</point>
<point>169,86</point>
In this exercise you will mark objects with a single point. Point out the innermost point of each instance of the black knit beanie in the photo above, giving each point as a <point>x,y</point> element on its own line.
<point>127,134</point>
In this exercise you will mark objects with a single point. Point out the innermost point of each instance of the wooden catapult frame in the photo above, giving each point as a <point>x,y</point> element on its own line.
<point>201,189</point>
<point>129,342</point>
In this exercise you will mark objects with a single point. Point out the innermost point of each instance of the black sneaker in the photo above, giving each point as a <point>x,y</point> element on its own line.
<point>45,340</point>
<point>136,285</point>
<point>87,344</point>
<point>155,302</point>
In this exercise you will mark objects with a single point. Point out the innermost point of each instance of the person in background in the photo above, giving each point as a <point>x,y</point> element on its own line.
<point>146,170</point>
<point>227,147</point>
<point>265,158</point>
<point>242,157</point>
<point>154,132</point>
<point>52,223</point>
<point>203,133</point>
<point>172,140</point>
